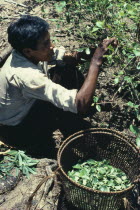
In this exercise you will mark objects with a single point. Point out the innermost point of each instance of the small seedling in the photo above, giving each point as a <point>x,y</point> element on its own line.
<point>17,160</point>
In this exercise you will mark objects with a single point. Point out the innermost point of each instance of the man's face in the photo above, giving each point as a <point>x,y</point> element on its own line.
<point>44,51</point>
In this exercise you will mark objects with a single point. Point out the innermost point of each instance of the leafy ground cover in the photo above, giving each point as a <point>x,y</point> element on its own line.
<point>17,160</point>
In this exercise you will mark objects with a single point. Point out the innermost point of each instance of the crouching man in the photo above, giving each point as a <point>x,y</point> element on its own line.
<point>29,100</point>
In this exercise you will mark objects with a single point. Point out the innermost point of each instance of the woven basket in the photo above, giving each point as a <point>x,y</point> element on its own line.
<point>97,144</point>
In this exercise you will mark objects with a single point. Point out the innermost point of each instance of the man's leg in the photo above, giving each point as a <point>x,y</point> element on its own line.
<point>34,134</point>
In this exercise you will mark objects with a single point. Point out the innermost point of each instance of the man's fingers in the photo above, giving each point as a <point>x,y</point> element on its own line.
<point>107,42</point>
<point>114,41</point>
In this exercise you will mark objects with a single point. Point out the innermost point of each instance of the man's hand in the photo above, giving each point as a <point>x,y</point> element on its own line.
<point>102,49</point>
<point>106,42</point>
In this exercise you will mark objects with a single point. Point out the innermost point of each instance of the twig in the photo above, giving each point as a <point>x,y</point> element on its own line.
<point>49,171</point>
<point>122,81</point>
<point>104,102</point>
<point>9,17</point>
<point>38,187</point>
<point>107,102</point>
<point>13,2</point>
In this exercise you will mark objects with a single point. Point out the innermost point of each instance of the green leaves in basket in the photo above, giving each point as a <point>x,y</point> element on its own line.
<point>99,175</point>
<point>18,160</point>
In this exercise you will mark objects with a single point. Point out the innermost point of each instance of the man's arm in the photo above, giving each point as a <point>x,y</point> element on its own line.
<point>85,94</point>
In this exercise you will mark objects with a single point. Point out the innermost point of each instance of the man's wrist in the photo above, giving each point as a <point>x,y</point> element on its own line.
<point>97,61</point>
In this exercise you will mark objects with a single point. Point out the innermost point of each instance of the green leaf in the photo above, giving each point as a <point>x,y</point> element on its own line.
<point>95,180</point>
<point>102,171</point>
<point>118,188</point>
<point>118,180</point>
<point>131,12</point>
<point>124,178</point>
<point>130,104</point>
<point>12,152</point>
<point>138,141</point>
<point>25,171</point>
<point>136,52</point>
<point>80,49</point>
<point>95,29</point>
<point>95,99</point>
<point>100,24</point>
<point>75,178</point>
<point>82,172</point>
<point>121,13</point>
<point>110,183</point>
<point>31,170</point>
<point>31,164</point>
<point>104,189</point>
<point>84,181</point>
<point>87,51</point>
<point>17,171</point>
<point>134,129</point>
<point>91,161</point>
<point>128,79</point>
<point>121,72</point>
<point>78,166</point>
<point>116,80</point>
<point>138,117</point>
<point>98,107</point>
<point>138,66</point>
<point>59,6</point>
<point>20,159</point>
<point>63,3</point>
<point>53,20</point>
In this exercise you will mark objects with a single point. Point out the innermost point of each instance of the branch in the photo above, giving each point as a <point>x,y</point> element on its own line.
<point>49,178</point>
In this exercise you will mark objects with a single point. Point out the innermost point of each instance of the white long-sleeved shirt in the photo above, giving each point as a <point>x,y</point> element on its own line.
<point>21,83</point>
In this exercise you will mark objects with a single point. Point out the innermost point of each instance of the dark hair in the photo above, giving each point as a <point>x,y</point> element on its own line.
<point>26,31</point>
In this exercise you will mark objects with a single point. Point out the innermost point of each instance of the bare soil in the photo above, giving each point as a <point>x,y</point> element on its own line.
<point>113,111</point>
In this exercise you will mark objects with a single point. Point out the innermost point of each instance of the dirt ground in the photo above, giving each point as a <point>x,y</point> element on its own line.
<point>113,114</point>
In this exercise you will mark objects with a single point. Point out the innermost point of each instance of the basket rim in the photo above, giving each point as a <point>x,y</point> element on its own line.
<point>95,130</point>
<point>81,133</point>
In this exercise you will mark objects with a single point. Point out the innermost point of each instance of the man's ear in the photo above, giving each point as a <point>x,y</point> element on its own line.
<point>27,52</point>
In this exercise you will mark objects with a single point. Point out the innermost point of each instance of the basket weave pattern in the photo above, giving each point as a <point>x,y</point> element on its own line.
<point>97,144</point>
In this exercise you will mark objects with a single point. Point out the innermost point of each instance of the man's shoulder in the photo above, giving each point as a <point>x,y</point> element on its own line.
<point>20,61</point>
<point>17,62</point>
<point>17,66</point>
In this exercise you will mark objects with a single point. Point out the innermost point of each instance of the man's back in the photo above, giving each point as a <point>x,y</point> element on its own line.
<point>13,106</point>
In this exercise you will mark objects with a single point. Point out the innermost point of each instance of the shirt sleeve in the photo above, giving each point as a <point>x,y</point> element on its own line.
<point>35,84</point>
